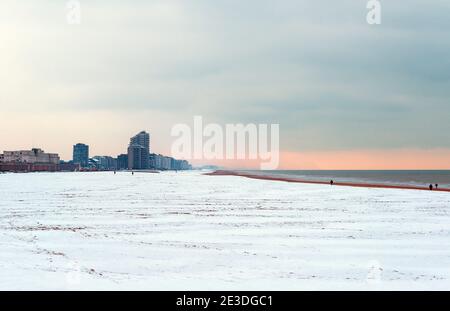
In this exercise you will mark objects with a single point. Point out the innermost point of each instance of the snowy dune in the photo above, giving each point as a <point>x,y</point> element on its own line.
<point>187,231</point>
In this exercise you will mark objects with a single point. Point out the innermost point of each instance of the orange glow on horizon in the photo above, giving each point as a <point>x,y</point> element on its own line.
<point>400,159</point>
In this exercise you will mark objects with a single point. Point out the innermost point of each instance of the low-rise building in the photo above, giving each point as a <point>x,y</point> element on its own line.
<point>104,163</point>
<point>156,161</point>
<point>32,156</point>
<point>160,162</point>
<point>122,162</point>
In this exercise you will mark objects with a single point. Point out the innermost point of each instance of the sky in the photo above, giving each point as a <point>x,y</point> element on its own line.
<point>346,94</point>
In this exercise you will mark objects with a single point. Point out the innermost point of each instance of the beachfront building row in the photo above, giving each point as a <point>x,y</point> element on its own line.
<point>160,162</point>
<point>155,162</point>
<point>138,157</point>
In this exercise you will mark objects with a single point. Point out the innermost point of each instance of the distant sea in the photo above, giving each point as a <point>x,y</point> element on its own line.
<point>420,178</point>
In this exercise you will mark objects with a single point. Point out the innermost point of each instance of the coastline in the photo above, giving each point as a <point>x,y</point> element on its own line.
<point>336,183</point>
<point>126,233</point>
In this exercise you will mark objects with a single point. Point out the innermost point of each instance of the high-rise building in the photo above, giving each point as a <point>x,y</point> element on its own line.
<point>81,154</point>
<point>142,139</point>
<point>138,157</point>
<point>138,151</point>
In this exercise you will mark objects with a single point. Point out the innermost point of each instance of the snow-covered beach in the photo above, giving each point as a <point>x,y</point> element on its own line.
<point>188,231</point>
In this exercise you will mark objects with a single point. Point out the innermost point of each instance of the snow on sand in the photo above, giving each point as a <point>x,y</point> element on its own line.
<point>187,231</point>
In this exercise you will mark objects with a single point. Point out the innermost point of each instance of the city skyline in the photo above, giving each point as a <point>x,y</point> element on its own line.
<point>138,157</point>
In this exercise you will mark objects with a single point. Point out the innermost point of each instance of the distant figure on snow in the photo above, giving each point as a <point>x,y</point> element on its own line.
<point>431,187</point>
<point>436,186</point>
<point>132,172</point>
<point>331,182</point>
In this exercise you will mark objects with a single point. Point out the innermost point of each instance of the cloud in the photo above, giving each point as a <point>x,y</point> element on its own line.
<point>332,81</point>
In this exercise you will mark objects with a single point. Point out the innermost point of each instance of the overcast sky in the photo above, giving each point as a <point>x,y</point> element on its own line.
<point>333,82</point>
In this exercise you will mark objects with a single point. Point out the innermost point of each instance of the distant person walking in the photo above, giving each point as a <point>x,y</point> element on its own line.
<point>436,186</point>
<point>331,182</point>
<point>431,187</point>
